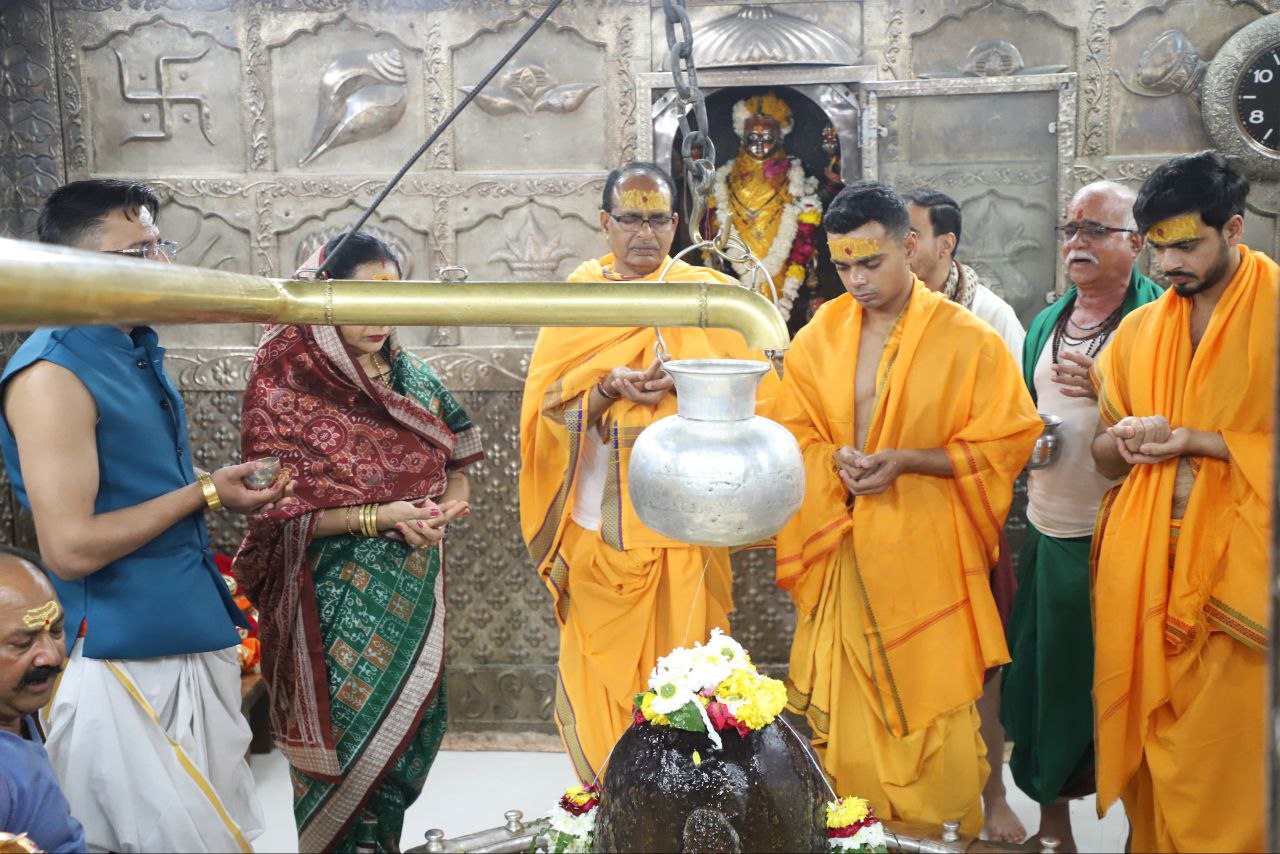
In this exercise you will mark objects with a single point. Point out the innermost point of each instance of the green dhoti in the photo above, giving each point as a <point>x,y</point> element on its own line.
<point>1047,698</point>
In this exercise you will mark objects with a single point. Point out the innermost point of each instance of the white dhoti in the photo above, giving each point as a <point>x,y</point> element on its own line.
<point>150,753</point>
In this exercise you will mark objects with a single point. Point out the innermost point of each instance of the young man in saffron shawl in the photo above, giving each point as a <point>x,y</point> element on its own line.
<point>913,421</point>
<point>1186,396</point>
<point>1048,687</point>
<point>349,581</point>
<point>623,594</point>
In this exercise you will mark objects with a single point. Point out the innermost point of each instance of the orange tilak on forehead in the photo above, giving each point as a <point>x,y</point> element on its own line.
<point>1174,229</point>
<point>853,248</point>
<point>42,617</point>
<point>649,201</point>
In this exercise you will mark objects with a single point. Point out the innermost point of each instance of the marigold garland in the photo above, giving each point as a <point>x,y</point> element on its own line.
<point>852,826</point>
<point>710,688</point>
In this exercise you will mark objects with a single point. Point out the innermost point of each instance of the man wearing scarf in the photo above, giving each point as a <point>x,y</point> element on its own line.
<point>624,595</point>
<point>935,218</point>
<point>913,421</point>
<point>936,221</point>
<point>1186,396</point>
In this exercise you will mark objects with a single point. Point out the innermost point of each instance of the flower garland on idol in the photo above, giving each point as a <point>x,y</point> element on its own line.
<point>852,826</point>
<point>711,688</point>
<point>572,824</point>
<point>794,242</point>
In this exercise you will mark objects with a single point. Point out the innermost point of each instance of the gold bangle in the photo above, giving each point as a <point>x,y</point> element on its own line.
<point>347,519</point>
<point>371,520</point>
<point>210,491</point>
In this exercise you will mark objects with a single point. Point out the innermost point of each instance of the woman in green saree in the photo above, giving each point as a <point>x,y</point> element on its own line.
<point>349,580</point>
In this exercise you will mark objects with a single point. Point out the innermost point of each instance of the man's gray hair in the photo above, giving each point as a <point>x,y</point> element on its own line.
<point>1122,195</point>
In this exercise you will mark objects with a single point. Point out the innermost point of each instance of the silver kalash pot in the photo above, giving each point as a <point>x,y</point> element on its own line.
<point>716,474</point>
<point>1049,445</point>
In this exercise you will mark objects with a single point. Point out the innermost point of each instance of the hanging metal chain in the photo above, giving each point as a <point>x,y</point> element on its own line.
<point>700,172</point>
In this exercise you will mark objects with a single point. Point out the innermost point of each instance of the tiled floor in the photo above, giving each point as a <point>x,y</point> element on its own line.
<point>469,791</point>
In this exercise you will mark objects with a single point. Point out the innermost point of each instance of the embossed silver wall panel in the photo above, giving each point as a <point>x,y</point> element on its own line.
<point>1165,117</point>
<point>296,110</point>
<point>161,96</point>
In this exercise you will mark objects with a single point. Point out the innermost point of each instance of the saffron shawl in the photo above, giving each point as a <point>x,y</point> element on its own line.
<point>1146,612</point>
<point>347,440</point>
<point>565,366</point>
<point>922,549</point>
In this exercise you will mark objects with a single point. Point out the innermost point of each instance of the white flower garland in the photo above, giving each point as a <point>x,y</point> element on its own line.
<point>801,190</point>
<point>870,838</point>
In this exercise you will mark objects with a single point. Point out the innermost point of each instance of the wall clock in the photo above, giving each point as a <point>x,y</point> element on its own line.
<point>1241,98</point>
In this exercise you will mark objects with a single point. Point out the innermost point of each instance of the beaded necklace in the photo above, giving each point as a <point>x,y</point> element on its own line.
<point>1098,332</point>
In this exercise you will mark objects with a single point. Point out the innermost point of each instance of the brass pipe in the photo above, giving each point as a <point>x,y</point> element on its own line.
<point>42,285</point>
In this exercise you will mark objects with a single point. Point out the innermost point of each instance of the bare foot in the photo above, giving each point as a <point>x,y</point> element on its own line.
<point>1002,824</point>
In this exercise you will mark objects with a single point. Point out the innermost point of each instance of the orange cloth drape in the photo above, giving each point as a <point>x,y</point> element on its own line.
<point>631,580</point>
<point>1150,617</point>
<point>915,619</point>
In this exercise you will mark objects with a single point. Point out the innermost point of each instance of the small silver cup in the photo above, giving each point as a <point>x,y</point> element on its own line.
<point>264,473</point>
<point>1048,445</point>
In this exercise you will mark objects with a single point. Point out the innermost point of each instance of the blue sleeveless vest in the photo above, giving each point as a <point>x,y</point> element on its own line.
<point>166,598</point>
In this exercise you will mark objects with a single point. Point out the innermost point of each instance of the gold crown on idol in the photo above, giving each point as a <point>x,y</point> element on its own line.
<point>853,248</point>
<point>1175,229</point>
<point>763,104</point>
<point>649,201</point>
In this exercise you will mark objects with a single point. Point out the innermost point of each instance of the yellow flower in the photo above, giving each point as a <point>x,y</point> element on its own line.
<point>795,271</point>
<point>578,795</point>
<point>763,699</point>
<point>847,811</point>
<point>813,217</point>
<point>646,709</point>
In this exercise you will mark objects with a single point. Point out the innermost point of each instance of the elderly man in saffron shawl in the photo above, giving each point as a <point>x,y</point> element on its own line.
<point>913,421</point>
<point>1186,394</point>
<point>624,595</point>
<point>349,581</point>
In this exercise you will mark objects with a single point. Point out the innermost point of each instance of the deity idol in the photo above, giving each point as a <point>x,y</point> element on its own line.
<point>772,205</point>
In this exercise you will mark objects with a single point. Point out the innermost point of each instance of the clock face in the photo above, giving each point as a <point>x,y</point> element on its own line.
<point>1258,99</point>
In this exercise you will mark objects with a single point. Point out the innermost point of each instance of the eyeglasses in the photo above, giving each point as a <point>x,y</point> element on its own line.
<point>635,222</point>
<point>1090,231</point>
<point>166,249</point>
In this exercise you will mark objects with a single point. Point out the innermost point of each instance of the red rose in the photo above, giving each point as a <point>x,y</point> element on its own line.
<point>850,829</point>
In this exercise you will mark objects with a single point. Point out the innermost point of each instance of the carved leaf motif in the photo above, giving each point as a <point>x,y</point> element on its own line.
<point>499,103</point>
<point>566,98</point>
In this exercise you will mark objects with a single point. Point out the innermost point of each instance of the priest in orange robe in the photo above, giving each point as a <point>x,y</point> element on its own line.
<point>1181,563</point>
<point>914,421</point>
<point>624,594</point>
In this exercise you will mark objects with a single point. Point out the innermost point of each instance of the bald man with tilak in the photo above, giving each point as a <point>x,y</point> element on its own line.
<point>32,653</point>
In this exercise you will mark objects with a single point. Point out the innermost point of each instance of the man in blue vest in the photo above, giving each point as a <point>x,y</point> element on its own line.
<point>145,731</point>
